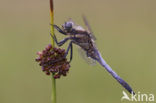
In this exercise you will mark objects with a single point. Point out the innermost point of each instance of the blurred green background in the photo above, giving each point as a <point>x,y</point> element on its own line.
<point>126,37</point>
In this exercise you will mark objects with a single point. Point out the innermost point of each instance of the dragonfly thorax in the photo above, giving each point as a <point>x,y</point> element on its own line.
<point>79,28</point>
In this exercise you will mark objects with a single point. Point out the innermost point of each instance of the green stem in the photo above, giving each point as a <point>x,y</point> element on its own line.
<point>53,95</point>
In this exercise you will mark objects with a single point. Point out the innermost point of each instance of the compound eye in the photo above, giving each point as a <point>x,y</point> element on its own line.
<point>68,25</point>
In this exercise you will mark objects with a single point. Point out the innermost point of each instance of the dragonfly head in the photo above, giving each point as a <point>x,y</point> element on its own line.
<point>67,26</point>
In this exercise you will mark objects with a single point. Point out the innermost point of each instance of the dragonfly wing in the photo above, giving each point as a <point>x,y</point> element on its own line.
<point>88,27</point>
<point>83,55</point>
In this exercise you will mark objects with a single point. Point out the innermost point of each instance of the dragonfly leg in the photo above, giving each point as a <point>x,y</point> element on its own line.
<point>61,42</point>
<point>59,29</point>
<point>70,46</point>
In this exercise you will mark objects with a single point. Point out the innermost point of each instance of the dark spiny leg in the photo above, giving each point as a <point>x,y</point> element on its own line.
<point>70,46</point>
<point>71,53</point>
<point>59,29</point>
<point>61,42</point>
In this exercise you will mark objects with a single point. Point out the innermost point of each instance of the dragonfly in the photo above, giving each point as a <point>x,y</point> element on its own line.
<point>85,39</point>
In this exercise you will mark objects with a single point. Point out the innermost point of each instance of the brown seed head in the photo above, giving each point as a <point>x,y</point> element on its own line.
<point>52,60</point>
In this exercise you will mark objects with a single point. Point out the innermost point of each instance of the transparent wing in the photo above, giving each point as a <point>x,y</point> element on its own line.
<point>88,27</point>
<point>83,55</point>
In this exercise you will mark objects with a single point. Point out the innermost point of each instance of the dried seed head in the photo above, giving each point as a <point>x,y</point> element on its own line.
<point>52,60</point>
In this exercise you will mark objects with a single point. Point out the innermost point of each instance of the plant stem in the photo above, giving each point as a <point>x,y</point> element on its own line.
<point>52,19</point>
<point>53,97</point>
